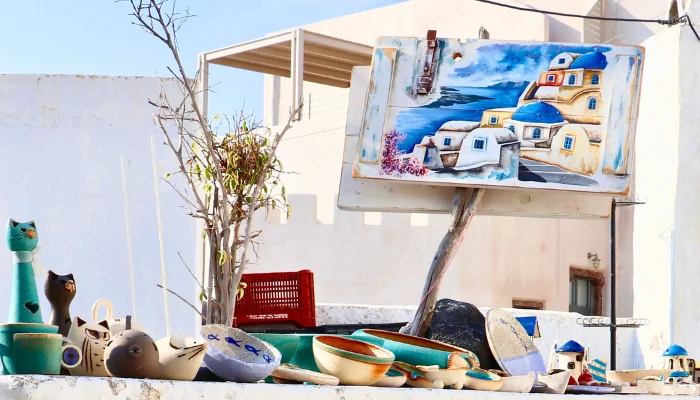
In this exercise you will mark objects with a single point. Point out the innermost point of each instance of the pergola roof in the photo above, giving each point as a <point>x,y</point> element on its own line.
<point>326,60</point>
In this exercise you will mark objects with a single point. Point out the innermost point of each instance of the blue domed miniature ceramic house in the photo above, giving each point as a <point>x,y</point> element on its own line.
<point>676,360</point>
<point>571,358</point>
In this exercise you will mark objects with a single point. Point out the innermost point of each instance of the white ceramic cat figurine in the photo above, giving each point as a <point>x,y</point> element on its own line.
<point>92,338</point>
<point>180,357</point>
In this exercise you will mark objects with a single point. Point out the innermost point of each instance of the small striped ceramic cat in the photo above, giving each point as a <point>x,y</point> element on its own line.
<point>92,338</point>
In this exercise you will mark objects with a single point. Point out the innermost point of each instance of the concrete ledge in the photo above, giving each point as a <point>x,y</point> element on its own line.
<point>74,388</point>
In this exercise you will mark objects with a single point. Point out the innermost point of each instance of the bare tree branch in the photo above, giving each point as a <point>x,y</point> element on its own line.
<point>181,298</point>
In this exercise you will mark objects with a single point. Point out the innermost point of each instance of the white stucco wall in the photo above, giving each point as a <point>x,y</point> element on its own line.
<point>685,275</point>
<point>62,138</point>
<point>653,222</point>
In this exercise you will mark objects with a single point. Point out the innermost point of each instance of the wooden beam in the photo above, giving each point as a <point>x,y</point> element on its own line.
<point>278,53</point>
<point>297,65</point>
<point>203,85</point>
<point>309,77</point>
<point>247,46</point>
<point>277,63</point>
<point>339,44</point>
<point>266,69</point>
<point>337,55</point>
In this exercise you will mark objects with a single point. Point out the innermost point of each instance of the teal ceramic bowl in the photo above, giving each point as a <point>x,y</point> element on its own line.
<point>7,333</point>
<point>287,345</point>
<point>418,351</point>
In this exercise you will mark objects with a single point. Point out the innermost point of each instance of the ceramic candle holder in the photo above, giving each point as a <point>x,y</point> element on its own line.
<point>236,356</point>
<point>354,362</point>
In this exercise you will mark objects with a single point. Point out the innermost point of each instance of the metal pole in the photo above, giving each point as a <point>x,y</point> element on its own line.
<point>613,311</point>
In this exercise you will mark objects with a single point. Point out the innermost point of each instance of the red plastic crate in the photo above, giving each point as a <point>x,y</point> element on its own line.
<point>277,297</point>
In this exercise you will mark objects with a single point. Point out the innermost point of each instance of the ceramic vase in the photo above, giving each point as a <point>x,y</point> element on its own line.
<point>22,239</point>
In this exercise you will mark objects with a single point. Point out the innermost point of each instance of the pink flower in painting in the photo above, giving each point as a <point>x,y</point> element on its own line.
<point>393,163</point>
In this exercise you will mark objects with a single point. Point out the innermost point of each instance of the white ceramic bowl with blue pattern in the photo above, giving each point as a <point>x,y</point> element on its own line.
<point>236,356</point>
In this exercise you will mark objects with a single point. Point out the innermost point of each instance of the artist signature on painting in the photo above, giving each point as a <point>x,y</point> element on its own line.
<point>567,178</point>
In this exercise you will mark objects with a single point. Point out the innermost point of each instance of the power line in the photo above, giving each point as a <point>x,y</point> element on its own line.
<point>674,21</point>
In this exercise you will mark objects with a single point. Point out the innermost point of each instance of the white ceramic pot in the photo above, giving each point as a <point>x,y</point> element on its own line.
<point>236,356</point>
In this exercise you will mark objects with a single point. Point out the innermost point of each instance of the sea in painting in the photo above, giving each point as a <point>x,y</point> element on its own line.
<point>456,103</point>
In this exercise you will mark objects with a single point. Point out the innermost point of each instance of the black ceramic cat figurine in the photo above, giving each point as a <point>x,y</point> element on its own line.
<point>60,291</point>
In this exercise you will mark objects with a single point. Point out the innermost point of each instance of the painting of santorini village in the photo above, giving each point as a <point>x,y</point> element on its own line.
<point>540,115</point>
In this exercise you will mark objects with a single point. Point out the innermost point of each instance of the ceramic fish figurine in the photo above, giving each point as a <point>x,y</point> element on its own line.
<point>60,291</point>
<point>92,338</point>
<point>132,354</point>
<point>180,357</point>
<point>22,239</point>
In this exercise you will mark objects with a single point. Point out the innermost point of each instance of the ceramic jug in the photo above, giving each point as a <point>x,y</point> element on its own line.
<point>116,325</point>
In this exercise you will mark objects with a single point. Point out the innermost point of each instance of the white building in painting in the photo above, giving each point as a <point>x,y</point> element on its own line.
<point>562,61</point>
<point>484,146</point>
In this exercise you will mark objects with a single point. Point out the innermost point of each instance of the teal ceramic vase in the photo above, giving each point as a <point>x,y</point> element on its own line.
<point>22,239</point>
<point>417,351</point>
<point>10,356</point>
<point>304,356</point>
<point>287,345</point>
<point>38,353</point>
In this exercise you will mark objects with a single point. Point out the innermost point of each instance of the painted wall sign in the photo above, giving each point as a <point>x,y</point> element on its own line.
<point>501,114</point>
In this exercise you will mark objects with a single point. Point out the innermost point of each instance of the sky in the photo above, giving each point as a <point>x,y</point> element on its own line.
<point>96,37</point>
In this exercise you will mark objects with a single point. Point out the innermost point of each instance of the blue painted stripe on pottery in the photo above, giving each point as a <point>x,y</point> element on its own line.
<point>523,365</point>
<point>595,368</point>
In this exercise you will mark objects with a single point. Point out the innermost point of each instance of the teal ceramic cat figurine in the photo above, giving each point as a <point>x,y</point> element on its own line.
<point>22,239</point>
